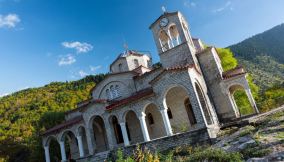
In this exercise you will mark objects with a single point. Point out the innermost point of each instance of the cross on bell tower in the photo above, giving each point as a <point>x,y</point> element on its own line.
<point>173,39</point>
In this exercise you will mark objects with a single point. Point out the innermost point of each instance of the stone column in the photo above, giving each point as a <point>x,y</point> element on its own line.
<point>251,100</point>
<point>144,127</point>
<point>46,152</point>
<point>124,134</point>
<point>90,141</point>
<point>166,122</point>
<point>109,135</point>
<point>80,144</point>
<point>171,44</point>
<point>62,149</point>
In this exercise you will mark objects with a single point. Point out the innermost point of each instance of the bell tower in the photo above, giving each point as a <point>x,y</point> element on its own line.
<point>173,40</point>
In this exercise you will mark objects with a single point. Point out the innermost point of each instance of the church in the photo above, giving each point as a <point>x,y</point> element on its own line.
<point>183,102</point>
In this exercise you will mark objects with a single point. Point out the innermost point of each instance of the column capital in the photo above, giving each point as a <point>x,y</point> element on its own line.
<point>46,147</point>
<point>122,124</point>
<point>142,116</point>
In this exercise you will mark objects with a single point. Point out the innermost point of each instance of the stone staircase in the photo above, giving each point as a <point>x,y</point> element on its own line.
<point>98,157</point>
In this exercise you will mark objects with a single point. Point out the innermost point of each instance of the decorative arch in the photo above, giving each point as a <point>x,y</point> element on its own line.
<point>238,90</point>
<point>116,129</point>
<point>70,144</point>
<point>54,149</point>
<point>99,133</point>
<point>164,40</point>
<point>154,121</point>
<point>133,127</point>
<point>174,99</point>
<point>204,104</point>
<point>174,35</point>
<point>81,131</point>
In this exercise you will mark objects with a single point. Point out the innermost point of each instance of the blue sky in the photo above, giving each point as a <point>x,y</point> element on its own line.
<point>44,41</point>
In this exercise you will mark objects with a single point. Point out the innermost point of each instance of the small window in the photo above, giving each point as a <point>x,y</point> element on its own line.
<point>117,92</point>
<point>136,64</point>
<point>150,119</point>
<point>120,67</point>
<point>170,115</point>
<point>108,94</point>
<point>112,93</point>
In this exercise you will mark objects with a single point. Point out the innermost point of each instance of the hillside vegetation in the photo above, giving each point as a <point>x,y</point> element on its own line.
<point>263,56</point>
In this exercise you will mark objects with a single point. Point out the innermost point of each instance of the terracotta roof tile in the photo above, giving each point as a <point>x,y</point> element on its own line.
<point>136,96</point>
<point>234,72</point>
<point>61,126</point>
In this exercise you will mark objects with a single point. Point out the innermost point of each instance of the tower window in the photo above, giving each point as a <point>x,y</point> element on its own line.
<point>120,67</point>
<point>136,64</point>
<point>170,115</point>
<point>150,119</point>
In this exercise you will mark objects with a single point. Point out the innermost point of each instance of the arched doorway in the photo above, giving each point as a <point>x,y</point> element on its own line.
<point>82,133</point>
<point>116,129</point>
<point>133,128</point>
<point>71,145</point>
<point>240,100</point>
<point>179,114</point>
<point>205,108</point>
<point>99,134</point>
<point>54,149</point>
<point>154,121</point>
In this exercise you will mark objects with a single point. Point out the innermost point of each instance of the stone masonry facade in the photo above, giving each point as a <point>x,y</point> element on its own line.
<point>183,102</point>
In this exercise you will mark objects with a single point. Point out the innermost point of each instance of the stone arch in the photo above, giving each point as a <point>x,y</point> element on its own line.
<point>54,148</point>
<point>70,144</point>
<point>235,90</point>
<point>97,125</point>
<point>116,129</point>
<point>133,127</point>
<point>154,121</point>
<point>164,40</point>
<point>203,103</point>
<point>174,99</point>
<point>174,35</point>
<point>81,131</point>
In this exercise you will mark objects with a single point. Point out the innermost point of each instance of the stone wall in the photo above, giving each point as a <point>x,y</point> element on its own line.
<point>191,138</point>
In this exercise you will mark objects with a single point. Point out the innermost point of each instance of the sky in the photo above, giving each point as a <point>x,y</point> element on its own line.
<point>50,40</point>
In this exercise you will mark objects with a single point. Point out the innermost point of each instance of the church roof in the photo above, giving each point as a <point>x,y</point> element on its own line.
<point>239,70</point>
<point>162,16</point>
<point>138,95</point>
<point>64,125</point>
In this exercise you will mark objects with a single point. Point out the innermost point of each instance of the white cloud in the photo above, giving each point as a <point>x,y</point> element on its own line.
<point>82,73</point>
<point>227,5</point>
<point>4,94</point>
<point>9,21</point>
<point>95,68</point>
<point>189,4</point>
<point>78,46</point>
<point>66,60</point>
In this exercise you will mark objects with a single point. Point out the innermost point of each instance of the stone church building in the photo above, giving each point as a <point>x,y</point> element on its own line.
<point>184,102</point>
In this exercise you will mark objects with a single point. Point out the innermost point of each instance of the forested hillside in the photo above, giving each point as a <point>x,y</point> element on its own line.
<point>263,56</point>
<point>25,113</point>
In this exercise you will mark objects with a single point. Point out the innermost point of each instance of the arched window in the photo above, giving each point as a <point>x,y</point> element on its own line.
<point>204,106</point>
<point>108,94</point>
<point>150,119</point>
<point>112,93</point>
<point>174,36</point>
<point>120,67</point>
<point>117,92</point>
<point>117,130</point>
<point>189,111</point>
<point>164,41</point>
<point>136,64</point>
<point>170,115</point>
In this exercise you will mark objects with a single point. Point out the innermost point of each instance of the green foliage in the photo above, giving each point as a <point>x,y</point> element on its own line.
<point>267,43</point>
<point>227,59</point>
<point>255,150</point>
<point>24,114</point>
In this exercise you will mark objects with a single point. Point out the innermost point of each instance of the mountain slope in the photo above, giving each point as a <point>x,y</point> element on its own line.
<point>263,56</point>
<point>21,114</point>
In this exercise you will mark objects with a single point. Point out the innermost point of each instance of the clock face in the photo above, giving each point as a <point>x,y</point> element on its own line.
<point>164,22</point>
